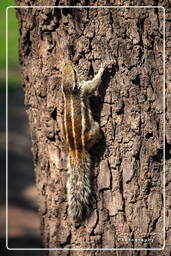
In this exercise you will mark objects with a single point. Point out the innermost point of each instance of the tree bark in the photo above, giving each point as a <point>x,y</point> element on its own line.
<point>127,173</point>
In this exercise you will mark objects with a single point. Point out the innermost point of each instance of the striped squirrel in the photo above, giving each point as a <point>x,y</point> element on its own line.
<point>80,134</point>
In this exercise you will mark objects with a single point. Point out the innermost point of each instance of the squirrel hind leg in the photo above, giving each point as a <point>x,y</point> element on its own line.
<point>93,136</point>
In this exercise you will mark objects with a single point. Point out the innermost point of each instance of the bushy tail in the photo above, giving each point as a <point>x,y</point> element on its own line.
<point>79,189</point>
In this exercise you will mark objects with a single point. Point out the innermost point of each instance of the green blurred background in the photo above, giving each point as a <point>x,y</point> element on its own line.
<point>13,62</point>
<point>23,219</point>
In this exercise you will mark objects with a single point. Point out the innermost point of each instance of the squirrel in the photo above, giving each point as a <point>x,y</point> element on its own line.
<point>80,133</point>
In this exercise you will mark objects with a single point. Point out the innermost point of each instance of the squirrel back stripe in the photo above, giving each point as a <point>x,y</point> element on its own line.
<point>80,132</point>
<point>78,116</point>
<point>68,122</point>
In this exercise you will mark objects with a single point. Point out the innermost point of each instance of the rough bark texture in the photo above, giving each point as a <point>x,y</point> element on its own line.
<point>128,162</point>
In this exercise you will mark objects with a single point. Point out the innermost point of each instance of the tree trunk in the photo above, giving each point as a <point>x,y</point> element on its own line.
<point>127,173</point>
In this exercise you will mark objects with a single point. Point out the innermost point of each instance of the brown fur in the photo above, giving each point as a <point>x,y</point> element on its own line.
<point>81,132</point>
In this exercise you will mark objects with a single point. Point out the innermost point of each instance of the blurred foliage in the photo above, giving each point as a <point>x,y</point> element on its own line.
<point>13,61</point>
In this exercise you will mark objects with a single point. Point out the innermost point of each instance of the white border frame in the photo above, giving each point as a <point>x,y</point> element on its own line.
<point>164,194</point>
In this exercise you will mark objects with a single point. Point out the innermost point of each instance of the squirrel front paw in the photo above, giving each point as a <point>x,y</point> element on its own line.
<point>103,65</point>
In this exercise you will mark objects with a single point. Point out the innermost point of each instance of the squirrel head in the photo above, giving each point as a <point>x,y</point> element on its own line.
<point>69,81</point>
